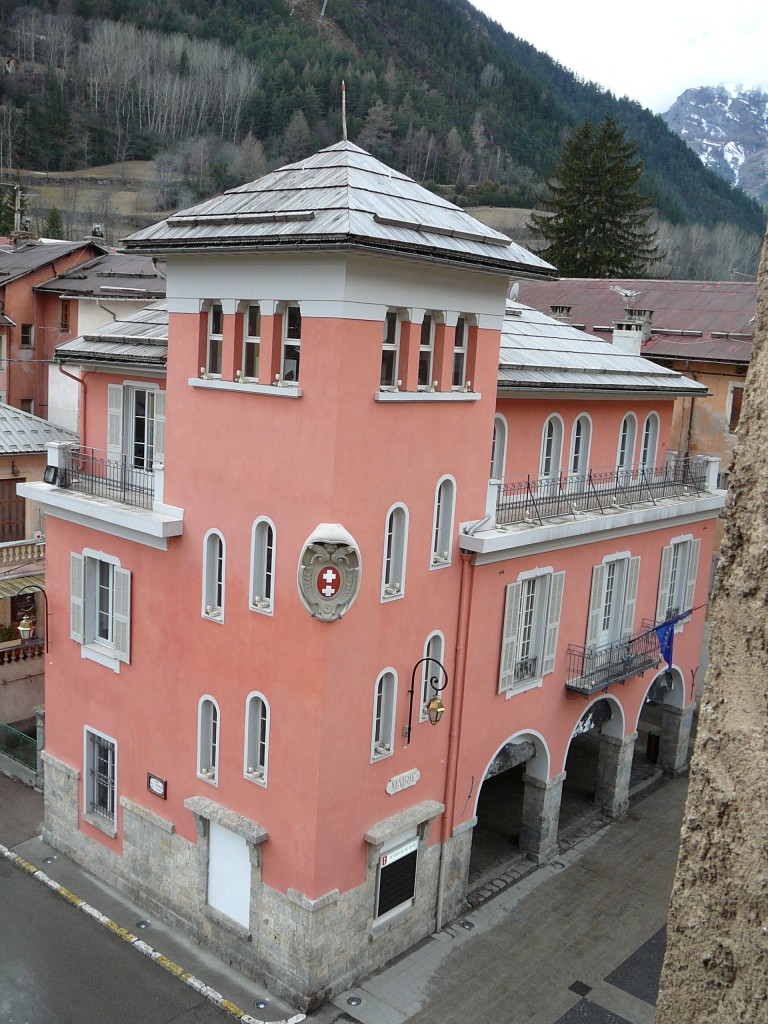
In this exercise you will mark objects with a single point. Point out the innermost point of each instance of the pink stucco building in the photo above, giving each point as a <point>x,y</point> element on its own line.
<point>362,470</point>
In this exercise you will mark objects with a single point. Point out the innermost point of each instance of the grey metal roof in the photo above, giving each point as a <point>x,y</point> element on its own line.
<point>139,337</point>
<point>538,352</point>
<point>21,433</point>
<point>116,275</point>
<point>341,196</point>
<point>15,263</point>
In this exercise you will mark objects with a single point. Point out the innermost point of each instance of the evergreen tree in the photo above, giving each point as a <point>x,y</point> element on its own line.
<point>54,225</point>
<point>596,224</point>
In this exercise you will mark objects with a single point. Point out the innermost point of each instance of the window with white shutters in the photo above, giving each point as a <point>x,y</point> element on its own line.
<point>532,609</point>
<point>612,600</point>
<point>677,577</point>
<point>100,607</point>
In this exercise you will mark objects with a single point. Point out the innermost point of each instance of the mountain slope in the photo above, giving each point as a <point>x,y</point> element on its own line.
<point>727,127</point>
<point>437,90</point>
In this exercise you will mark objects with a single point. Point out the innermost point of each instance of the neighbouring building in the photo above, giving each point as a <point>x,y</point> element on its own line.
<point>27,341</point>
<point>347,541</point>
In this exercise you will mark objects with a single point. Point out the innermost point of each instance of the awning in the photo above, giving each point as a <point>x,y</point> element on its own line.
<point>11,585</point>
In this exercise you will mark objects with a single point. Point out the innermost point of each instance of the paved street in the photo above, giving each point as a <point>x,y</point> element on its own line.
<point>577,942</point>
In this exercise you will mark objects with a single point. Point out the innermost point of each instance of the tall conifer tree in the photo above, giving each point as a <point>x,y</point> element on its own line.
<point>596,219</point>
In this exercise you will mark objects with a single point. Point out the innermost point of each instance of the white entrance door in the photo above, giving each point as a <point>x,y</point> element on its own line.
<point>229,874</point>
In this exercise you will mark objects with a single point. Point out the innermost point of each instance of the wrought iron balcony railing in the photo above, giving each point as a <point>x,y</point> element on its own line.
<point>525,668</point>
<point>90,471</point>
<point>534,499</point>
<point>597,668</point>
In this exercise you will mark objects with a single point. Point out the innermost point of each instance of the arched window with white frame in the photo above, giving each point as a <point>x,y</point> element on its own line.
<point>649,443</point>
<point>625,453</point>
<point>442,522</point>
<point>551,454</point>
<point>256,738</point>
<point>214,563</point>
<point>578,458</point>
<point>208,739</point>
<point>434,648</point>
<point>262,585</point>
<point>395,550</point>
<point>384,702</point>
<point>499,447</point>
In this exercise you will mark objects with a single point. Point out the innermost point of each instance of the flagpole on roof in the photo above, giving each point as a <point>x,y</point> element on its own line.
<point>344,110</point>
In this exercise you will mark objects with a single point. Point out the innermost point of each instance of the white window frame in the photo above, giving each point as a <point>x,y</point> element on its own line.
<point>460,348</point>
<point>551,449</point>
<point>86,591</point>
<point>390,349</point>
<point>293,343</point>
<point>625,450</point>
<point>263,557</point>
<point>612,599</point>
<point>650,442</point>
<point>499,447</point>
<point>678,572</point>
<point>214,575</point>
<point>395,555</point>
<point>102,816</point>
<point>532,609</point>
<point>426,352</point>
<point>581,443</point>
<point>121,424</point>
<point>251,343</point>
<point>256,745</point>
<point>214,350</point>
<point>384,714</point>
<point>434,647</point>
<point>442,523</point>
<point>407,844</point>
<point>208,739</point>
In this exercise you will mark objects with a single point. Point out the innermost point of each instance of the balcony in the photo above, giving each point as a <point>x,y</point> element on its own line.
<point>91,487</point>
<point>596,668</point>
<point>90,471</point>
<point>530,499</point>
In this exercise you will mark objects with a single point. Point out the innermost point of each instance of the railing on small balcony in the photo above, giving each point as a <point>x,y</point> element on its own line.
<point>18,746</point>
<point>90,471</point>
<point>14,551</point>
<point>534,499</point>
<point>596,668</point>
<point>525,669</point>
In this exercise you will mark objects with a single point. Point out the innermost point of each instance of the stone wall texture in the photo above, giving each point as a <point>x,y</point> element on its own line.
<point>717,954</point>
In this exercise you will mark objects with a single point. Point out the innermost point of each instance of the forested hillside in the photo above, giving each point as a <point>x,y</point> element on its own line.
<point>220,93</point>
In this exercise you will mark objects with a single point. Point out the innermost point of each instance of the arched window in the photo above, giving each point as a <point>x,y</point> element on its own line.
<point>626,450</point>
<point>442,523</point>
<point>650,442</point>
<point>433,648</point>
<point>499,447</point>
<point>551,452</point>
<point>395,546</point>
<point>581,435</point>
<point>208,739</point>
<point>383,732</point>
<point>214,556</point>
<point>256,738</point>
<point>263,565</point>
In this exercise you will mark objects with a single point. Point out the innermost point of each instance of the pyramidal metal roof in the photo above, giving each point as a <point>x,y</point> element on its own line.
<point>341,197</point>
<point>541,353</point>
<point>21,433</point>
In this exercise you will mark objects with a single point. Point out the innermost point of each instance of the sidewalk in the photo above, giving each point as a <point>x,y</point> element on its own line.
<point>532,949</point>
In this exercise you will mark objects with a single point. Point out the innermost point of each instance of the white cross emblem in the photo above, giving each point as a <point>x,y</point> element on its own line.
<point>331,578</point>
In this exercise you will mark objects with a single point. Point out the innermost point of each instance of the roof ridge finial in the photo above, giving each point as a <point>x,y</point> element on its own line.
<point>344,110</point>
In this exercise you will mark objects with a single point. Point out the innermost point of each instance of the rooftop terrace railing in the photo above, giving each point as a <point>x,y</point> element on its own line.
<point>536,498</point>
<point>91,471</point>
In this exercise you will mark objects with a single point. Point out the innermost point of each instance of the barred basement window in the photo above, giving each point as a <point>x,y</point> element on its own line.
<point>396,881</point>
<point>100,775</point>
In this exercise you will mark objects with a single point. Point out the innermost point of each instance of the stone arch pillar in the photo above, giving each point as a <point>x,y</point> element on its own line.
<point>541,816</point>
<point>668,688</point>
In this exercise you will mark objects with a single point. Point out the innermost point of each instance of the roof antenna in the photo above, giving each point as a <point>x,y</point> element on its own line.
<point>344,110</point>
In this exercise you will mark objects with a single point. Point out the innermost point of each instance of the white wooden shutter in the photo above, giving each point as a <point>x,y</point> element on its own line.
<point>114,421</point>
<point>76,576</point>
<point>556,584</point>
<point>693,568</point>
<point>665,577</point>
<point>509,637</point>
<point>596,604</point>
<point>630,596</point>
<point>158,452</point>
<point>122,614</point>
